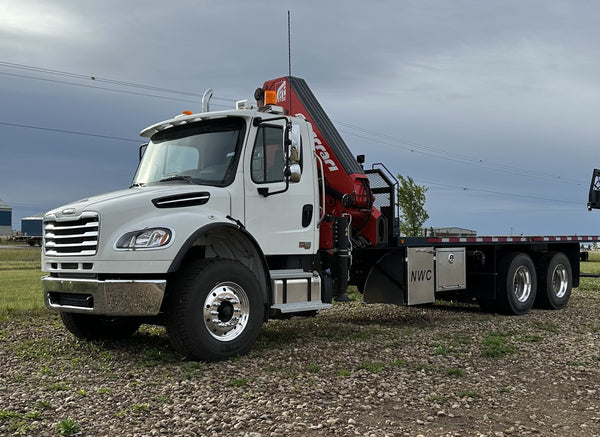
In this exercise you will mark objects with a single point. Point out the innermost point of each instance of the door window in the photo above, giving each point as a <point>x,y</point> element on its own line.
<point>268,159</point>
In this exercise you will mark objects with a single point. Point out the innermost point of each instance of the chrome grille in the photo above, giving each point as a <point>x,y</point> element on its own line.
<point>77,236</point>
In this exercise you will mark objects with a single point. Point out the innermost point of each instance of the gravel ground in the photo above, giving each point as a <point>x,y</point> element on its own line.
<point>378,370</point>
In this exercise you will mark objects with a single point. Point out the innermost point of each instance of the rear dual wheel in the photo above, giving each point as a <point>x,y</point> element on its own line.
<point>520,284</point>
<point>556,282</point>
<point>517,283</point>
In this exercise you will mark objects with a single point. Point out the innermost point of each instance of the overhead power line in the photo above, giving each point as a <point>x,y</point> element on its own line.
<point>104,80</point>
<point>500,193</point>
<point>523,173</point>
<point>64,131</point>
<point>454,157</point>
<point>106,89</point>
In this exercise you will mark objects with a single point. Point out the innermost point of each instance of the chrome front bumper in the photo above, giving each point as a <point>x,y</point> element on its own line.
<point>111,297</point>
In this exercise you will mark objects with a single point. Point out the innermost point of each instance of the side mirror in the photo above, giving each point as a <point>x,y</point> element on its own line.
<point>295,144</point>
<point>293,170</point>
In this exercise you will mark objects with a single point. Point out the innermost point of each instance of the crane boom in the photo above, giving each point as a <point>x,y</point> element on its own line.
<point>347,187</point>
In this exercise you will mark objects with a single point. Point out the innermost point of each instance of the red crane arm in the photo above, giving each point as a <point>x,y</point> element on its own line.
<point>347,186</point>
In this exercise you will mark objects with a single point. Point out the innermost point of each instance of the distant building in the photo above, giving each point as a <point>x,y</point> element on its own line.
<point>5,219</point>
<point>32,226</point>
<point>448,232</point>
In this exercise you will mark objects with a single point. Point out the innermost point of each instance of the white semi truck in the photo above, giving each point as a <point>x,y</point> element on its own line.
<point>235,217</point>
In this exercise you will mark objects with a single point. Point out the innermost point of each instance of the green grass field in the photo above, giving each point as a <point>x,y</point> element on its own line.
<point>592,266</point>
<point>20,273</point>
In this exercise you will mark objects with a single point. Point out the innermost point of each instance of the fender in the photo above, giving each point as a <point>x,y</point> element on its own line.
<point>265,280</point>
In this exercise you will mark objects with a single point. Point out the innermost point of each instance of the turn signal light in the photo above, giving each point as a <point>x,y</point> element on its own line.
<point>187,112</point>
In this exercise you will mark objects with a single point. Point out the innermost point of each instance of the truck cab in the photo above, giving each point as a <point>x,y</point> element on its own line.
<point>220,228</point>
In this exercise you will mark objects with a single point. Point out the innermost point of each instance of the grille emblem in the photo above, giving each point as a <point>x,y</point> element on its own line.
<point>68,211</point>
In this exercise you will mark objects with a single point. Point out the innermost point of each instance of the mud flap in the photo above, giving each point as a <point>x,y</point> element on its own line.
<point>386,282</point>
<point>402,277</point>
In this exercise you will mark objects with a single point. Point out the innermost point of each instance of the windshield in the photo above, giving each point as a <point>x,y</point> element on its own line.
<point>203,153</point>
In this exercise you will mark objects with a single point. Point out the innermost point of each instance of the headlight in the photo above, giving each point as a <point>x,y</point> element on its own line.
<point>151,238</point>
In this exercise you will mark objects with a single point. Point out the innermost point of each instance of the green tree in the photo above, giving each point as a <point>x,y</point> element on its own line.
<point>411,199</point>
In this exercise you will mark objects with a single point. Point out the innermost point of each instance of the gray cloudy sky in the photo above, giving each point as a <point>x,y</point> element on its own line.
<point>492,104</point>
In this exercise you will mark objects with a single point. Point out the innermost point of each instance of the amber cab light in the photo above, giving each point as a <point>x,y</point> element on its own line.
<point>270,98</point>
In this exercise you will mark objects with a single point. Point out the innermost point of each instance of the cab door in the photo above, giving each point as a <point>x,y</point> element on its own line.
<point>281,216</point>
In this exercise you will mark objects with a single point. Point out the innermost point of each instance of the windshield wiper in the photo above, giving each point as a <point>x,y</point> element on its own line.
<point>176,177</point>
<point>137,184</point>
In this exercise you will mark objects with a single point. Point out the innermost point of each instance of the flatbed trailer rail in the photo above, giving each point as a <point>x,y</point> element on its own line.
<point>411,241</point>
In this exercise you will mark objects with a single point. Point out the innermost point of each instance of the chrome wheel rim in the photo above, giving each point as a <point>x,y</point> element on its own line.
<point>226,311</point>
<point>522,284</point>
<point>560,282</point>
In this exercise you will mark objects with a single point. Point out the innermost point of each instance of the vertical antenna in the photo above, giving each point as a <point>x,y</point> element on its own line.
<point>290,59</point>
<point>289,47</point>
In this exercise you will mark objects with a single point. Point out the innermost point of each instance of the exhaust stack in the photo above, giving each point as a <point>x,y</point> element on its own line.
<point>206,99</point>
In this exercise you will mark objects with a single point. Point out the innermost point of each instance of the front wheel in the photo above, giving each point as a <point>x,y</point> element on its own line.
<point>215,310</point>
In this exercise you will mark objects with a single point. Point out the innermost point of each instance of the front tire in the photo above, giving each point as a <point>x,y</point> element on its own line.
<point>215,310</point>
<point>93,327</point>
<point>517,283</point>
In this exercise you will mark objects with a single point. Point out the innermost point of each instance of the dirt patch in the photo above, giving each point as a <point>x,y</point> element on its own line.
<point>353,370</point>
